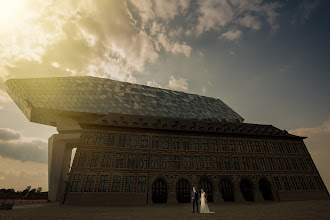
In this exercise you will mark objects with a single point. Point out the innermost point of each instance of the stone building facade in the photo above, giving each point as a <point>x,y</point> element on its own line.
<point>141,145</point>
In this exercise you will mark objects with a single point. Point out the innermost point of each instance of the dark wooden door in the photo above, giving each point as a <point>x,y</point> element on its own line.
<point>159,191</point>
<point>226,189</point>
<point>183,191</point>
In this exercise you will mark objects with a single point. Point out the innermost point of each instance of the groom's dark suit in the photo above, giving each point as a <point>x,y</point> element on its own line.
<point>195,198</point>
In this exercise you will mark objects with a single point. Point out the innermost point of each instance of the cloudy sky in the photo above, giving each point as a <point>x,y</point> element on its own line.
<point>268,60</point>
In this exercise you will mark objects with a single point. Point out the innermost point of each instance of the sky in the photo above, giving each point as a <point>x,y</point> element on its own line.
<point>267,60</point>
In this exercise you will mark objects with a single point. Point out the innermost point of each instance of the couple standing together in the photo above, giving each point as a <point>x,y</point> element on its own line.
<point>203,199</point>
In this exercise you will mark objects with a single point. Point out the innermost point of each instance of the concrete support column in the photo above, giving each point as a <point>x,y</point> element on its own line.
<point>59,156</point>
<point>150,197</point>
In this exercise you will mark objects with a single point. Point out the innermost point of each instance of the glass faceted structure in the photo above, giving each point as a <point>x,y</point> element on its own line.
<point>86,94</point>
<point>141,145</point>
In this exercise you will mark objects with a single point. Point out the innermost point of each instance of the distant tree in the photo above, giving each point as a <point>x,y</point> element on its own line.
<point>39,189</point>
<point>28,188</point>
<point>33,191</point>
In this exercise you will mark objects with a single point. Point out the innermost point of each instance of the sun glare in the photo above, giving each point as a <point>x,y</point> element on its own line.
<point>11,11</point>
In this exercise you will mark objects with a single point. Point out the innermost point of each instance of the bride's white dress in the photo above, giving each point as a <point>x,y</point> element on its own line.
<point>204,207</point>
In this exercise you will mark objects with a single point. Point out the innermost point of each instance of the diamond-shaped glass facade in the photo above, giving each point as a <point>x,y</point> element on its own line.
<point>86,94</point>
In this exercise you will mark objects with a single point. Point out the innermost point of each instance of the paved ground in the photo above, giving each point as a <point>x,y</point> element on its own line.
<point>250,210</point>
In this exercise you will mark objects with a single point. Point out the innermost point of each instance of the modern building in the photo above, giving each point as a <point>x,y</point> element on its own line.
<point>141,145</point>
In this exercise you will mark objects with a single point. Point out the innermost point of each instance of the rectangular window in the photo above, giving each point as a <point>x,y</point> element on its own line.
<point>197,163</point>
<point>295,165</point>
<point>245,163</point>
<point>187,163</point>
<point>236,163</point>
<point>144,141</point>
<point>223,145</point>
<point>287,148</point>
<point>95,159</point>
<point>185,142</point>
<point>217,161</point>
<point>120,161</point>
<point>286,183</point>
<point>107,159</point>
<point>214,145</point>
<point>227,163</point>
<point>287,164</point>
<point>294,183</point>
<point>133,141</point>
<point>272,147</point>
<point>131,161</point>
<point>270,163</point>
<point>122,140</point>
<point>265,146</point>
<point>302,164</point>
<point>111,140</point>
<point>166,162</point>
<point>176,164</point>
<point>154,161</point>
<point>141,184</point>
<point>231,146</point>
<point>278,164</point>
<point>175,141</point>
<point>195,144</point>
<point>89,138</point>
<point>103,183</point>
<point>302,182</point>
<point>257,146</point>
<point>143,161</point>
<point>280,147</point>
<point>165,142</point>
<point>116,183</point>
<point>263,164</point>
<point>311,183</point>
<point>254,163</point>
<point>82,159</point>
<point>76,183</point>
<point>205,145</point>
<point>295,148</point>
<point>100,139</point>
<point>277,183</point>
<point>240,146</point>
<point>129,183</point>
<point>249,146</point>
<point>89,183</point>
<point>155,142</point>
<point>207,163</point>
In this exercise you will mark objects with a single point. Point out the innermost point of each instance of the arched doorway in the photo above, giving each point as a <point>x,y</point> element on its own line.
<point>159,191</point>
<point>226,189</point>
<point>207,186</point>
<point>247,190</point>
<point>183,191</point>
<point>265,188</point>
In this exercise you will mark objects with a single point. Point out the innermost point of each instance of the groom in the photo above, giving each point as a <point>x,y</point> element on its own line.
<point>195,198</point>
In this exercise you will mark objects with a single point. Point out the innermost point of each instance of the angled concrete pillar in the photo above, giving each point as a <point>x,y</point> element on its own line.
<point>59,155</point>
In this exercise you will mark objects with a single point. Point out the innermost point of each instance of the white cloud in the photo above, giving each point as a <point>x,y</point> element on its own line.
<point>154,84</point>
<point>305,9</point>
<point>174,47</point>
<point>203,90</point>
<point>250,21</point>
<point>232,34</point>
<point>219,15</point>
<point>173,83</point>
<point>178,84</point>
<point>9,134</point>
<point>318,144</point>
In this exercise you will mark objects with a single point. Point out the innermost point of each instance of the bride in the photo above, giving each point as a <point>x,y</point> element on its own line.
<point>204,207</point>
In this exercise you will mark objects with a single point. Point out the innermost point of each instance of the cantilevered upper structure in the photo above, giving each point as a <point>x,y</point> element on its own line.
<point>140,145</point>
<point>40,99</point>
